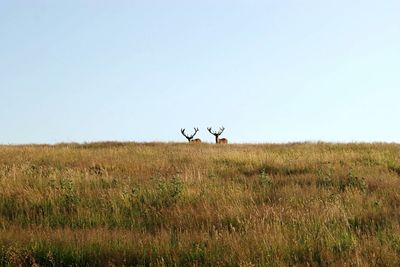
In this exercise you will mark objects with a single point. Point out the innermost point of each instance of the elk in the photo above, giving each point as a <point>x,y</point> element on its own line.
<point>217,134</point>
<point>190,137</point>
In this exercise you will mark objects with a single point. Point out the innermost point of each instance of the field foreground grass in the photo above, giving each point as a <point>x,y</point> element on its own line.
<point>130,204</point>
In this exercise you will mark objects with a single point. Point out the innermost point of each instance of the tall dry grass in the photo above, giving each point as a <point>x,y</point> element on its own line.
<point>161,204</point>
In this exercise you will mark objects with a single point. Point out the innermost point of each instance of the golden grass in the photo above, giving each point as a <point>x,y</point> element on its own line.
<point>159,204</point>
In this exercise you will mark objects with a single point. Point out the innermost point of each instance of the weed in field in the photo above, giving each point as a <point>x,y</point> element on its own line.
<point>353,182</point>
<point>67,195</point>
<point>264,179</point>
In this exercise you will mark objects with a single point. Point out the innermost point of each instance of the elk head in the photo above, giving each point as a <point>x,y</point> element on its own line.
<point>217,134</point>
<point>190,137</point>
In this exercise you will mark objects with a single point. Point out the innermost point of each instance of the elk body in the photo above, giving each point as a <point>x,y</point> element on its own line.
<point>222,141</point>
<point>196,141</point>
<point>190,137</point>
<point>217,134</point>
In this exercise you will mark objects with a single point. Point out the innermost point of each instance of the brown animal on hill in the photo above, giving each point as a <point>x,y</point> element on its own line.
<point>190,137</point>
<point>217,134</point>
<point>222,141</point>
<point>196,141</point>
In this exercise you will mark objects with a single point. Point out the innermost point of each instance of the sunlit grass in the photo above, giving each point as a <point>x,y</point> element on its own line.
<point>164,204</point>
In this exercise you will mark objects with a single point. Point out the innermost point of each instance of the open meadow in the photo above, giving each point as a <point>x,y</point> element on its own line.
<point>157,204</point>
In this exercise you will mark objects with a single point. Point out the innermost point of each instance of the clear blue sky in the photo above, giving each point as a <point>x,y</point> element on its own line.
<point>269,71</point>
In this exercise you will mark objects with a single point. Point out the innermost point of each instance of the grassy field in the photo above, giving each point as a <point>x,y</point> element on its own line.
<point>127,204</point>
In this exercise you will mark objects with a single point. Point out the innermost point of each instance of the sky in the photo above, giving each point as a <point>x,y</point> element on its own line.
<point>268,71</point>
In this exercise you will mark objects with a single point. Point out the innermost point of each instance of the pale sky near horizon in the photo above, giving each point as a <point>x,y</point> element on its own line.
<point>269,71</point>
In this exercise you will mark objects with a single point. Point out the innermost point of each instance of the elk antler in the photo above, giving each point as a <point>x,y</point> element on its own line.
<point>221,129</point>
<point>189,137</point>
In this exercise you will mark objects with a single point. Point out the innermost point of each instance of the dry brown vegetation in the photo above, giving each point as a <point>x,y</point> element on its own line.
<point>106,204</point>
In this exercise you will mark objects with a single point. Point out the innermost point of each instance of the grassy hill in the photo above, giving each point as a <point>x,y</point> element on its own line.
<point>160,204</point>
